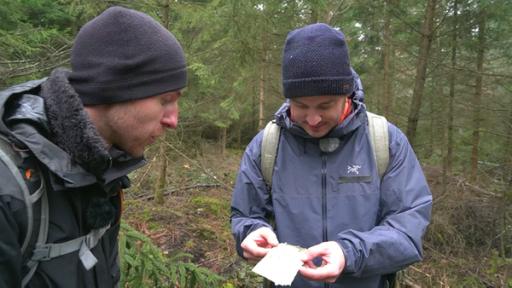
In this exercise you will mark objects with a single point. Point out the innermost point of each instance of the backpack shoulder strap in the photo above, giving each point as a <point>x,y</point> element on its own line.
<point>379,139</point>
<point>12,159</point>
<point>378,130</point>
<point>269,146</point>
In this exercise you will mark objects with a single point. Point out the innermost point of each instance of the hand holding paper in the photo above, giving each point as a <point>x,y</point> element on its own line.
<point>258,243</point>
<point>333,262</point>
<point>281,264</point>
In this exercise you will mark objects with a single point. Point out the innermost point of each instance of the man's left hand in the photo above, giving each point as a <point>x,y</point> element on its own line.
<point>333,262</point>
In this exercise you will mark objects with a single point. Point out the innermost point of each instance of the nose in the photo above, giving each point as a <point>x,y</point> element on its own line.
<point>170,117</point>
<point>313,119</point>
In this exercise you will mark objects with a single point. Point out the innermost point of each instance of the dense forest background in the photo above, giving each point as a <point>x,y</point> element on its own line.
<point>441,70</point>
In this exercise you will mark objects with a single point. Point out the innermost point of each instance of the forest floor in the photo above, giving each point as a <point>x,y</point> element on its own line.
<point>195,219</point>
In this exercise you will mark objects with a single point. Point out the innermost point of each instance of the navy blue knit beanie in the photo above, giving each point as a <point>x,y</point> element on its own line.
<point>316,62</point>
<point>123,55</point>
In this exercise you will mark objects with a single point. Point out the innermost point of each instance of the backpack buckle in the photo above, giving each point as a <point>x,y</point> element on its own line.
<point>42,253</point>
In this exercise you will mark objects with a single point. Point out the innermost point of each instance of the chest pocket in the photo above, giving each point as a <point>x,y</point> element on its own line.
<point>353,180</point>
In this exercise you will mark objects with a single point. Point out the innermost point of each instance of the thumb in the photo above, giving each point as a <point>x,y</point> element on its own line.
<point>270,236</point>
<point>312,252</point>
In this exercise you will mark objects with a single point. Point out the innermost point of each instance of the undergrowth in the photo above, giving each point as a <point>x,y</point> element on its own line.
<point>144,265</point>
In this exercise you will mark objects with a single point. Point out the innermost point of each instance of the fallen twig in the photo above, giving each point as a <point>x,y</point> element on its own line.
<point>196,186</point>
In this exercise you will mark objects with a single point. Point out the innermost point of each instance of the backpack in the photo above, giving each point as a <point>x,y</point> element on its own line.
<point>378,130</point>
<point>35,199</point>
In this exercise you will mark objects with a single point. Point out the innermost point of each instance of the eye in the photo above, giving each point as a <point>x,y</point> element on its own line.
<point>326,106</point>
<point>166,99</point>
<point>170,98</point>
<point>299,105</point>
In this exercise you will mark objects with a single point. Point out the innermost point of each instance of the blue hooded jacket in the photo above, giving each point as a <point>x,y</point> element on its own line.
<point>317,197</point>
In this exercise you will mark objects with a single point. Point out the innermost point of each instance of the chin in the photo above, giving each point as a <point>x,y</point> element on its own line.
<point>316,134</point>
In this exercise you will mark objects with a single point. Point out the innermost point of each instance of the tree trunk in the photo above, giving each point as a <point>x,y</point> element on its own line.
<point>421,70</point>
<point>161,183</point>
<point>165,13</point>
<point>261,119</point>
<point>508,155</point>
<point>478,95</point>
<point>448,159</point>
<point>223,140</point>
<point>239,134</point>
<point>387,58</point>
<point>507,192</point>
<point>430,145</point>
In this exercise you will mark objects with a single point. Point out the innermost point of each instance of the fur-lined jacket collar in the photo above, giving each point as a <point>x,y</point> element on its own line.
<point>56,128</point>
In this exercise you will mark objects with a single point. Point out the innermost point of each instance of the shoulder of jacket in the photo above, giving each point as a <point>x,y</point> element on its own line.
<point>23,87</point>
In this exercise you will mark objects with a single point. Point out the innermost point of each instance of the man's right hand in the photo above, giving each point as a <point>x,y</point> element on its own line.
<point>257,244</point>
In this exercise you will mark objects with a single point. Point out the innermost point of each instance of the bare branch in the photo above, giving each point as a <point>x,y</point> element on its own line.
<point>166,193</point>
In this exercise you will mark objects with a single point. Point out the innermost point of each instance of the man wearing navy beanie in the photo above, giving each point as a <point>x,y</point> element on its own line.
<point>335,179</point>
<point>81,132</point>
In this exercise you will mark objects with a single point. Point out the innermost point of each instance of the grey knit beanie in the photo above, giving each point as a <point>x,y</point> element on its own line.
<point>316,62</point>
<point>123,55</point>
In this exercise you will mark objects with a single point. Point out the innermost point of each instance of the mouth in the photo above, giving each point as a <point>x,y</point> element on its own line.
<point>316,127</point>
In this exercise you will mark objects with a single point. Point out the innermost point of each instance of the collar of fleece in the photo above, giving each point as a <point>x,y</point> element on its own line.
<point>70,126</point>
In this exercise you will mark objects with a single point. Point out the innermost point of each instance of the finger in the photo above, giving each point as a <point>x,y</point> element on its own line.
<point>251,257</point>
<point>270,237</point>
<point>311,273</point>
<point>252,249</point>
<point>313,252</point>
<point>324,273</point>
<point>310,264</point>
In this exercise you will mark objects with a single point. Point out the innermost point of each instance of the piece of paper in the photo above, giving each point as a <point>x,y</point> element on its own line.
<point>281,264</point>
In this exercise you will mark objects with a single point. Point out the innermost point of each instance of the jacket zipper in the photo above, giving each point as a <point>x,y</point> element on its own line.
<point>324,197</point>
<point>324,201</point>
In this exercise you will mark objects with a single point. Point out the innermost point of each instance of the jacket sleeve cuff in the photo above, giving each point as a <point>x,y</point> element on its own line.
<point>348,251</point>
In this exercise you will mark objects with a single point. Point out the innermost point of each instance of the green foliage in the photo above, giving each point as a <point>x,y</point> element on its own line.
<point>144,265</point>
<point>212,205</point>
<point>46,13</point>
<point>498,263</point>
<point>11,14</point>
<point>244,277</point>
<point>34,36</point>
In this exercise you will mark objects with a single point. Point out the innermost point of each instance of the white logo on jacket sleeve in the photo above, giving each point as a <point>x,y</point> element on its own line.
<point>353,169</point>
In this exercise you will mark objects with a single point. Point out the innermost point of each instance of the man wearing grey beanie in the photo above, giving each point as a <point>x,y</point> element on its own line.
<point>338,181</point>
<point>81,132</point>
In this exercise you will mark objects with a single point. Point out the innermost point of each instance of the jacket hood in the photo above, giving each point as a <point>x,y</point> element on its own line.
<point>351,123</point>
<point>56,128</point>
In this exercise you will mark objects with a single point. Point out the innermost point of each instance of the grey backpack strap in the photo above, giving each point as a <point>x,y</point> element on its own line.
<point>379,139</point>
<point>269,146</point>
<point>10,157</point>
<point>7,155</point>
<point>83,245</point>
<point>43,230</point>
